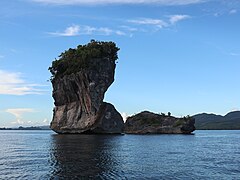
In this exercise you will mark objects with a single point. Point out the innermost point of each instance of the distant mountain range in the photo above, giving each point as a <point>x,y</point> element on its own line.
<point>230,121</point>
<point>28,128</point>
<point>203,121</point>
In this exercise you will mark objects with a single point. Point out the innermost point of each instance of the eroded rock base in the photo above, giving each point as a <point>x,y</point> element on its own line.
<point>69,119</point>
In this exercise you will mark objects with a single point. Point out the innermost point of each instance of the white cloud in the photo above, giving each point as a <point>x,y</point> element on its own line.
<point>120,33</point>
<point>10,78</point>
<point>234,54</point>
<point>97,2</point>
<point>77,30</point>
<point>45,122</point>
<point>103,31</point>
<point>18,113</point>
<point>11,83</point>
<point>123,30</point>
<point>159,23</point>
<point>124,116</point>
<point>128,28</point>
<point>70,31</point>
<point>73,30</point>
<point>21,121</point>
<point>175,18</point>
<point>148,21</point>
<point>233,11</point>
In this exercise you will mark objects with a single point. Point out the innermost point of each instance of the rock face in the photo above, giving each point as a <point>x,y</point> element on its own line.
<point>79,106</point>
<point>150,123</point>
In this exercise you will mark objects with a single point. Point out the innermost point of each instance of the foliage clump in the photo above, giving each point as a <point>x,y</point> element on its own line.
<point>83,57</point>
<point>182,121</point>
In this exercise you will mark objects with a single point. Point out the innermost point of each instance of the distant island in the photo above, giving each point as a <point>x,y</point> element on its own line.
<point>151,123</point>
<point>28,128</point>
<point>230,121</point>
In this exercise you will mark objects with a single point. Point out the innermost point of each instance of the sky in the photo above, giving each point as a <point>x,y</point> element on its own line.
<point>178,56</point>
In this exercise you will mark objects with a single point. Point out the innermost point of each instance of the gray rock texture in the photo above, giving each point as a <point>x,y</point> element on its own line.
<point>151,123</point>
<point>79,106</point>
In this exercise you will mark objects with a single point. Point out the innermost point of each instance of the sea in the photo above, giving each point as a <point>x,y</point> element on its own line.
<point>47,155</point>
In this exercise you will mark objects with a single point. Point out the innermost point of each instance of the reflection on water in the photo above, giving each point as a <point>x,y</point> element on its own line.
<point>45,155</point>
<point>75,156</point>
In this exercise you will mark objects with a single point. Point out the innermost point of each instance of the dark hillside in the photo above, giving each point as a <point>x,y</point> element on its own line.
<point>230,121</point>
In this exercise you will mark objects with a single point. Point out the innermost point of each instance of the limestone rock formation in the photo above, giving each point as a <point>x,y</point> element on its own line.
<point>78,96</point>
<point>151,123</point>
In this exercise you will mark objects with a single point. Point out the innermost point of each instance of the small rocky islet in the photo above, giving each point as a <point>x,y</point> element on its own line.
<point>151,123</point>
<point>80,79</point>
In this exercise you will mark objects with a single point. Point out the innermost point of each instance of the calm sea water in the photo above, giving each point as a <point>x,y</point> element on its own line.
<point>46,155</point>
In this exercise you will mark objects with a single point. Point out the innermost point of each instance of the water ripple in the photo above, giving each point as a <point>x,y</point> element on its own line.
<point>45,155</point>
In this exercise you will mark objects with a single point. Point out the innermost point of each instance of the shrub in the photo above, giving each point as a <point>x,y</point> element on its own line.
<point>74,60</point>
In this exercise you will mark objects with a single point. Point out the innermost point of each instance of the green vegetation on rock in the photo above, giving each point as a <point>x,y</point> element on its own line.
<point>148,122</point>
<point>179,122</point>
<point>83,57</point>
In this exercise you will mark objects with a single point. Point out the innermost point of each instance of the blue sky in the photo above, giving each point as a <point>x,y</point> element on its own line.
<point>181,56</point>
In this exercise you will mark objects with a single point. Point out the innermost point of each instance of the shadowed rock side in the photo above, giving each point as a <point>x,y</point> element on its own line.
<point>79,106</point>
<point>150,123</point>
<point>109,120</point>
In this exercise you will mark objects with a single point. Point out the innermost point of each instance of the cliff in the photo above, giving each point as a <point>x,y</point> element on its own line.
<point>151,123</point>
<point>80,79</point>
